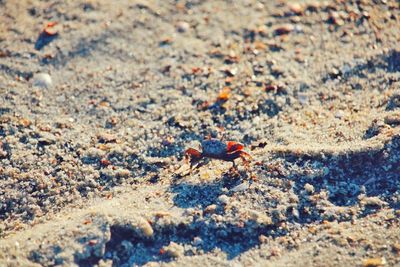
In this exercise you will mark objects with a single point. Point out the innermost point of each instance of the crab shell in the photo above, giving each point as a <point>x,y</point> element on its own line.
<point>214,148</point>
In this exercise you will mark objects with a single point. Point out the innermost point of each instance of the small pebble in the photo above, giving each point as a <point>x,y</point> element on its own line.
<point>174,250</point>
<point>309,188</point>
<point>223,199</point>
<point>210,209</point>
<point>241,187</point>
<point>197,241</point>
<point>106,138</point>
<point>303,99</point>
<point>284,29</point>
<point>42,80</point>
<point>259,6</point>
<point>182,26</point>
<point>339,114</point>
<point>263,239</point>
<point>145,228</point>
<point>335,18</point>
<point>374,262</point>
<point>260,217</point>
<point>296,8</point>
<point>373,201</point>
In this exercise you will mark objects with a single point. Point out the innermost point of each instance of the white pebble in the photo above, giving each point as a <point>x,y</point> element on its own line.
<point>224,199</point>
<point>303,99</point>
<point>42,80</point>
<point>174,250</point>
<point>241,187</point>
<point>309,188</point>
<point>182,26</point>
<point>339,114</point>
<point>197,241</point>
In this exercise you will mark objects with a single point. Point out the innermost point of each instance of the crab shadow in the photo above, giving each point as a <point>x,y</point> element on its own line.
<point>201,195</point>
<point>348,176</point>
<point>126,247</point>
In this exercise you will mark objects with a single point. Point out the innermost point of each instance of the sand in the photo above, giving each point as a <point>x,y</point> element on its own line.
<point>97,109</point>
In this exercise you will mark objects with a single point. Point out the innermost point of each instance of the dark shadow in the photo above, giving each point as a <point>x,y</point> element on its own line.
<point>347,176</point>
<point>44,39</point>
<point>389,62</point>
<point>15,72</point>
<point>394,102</point>
<point>393,61</point>
<point>82,49</point>
<point>4,111</point>
<point>373,173</point>
<point>196,195</point>
<point>85,47</point>
<point>126,246</point>
<point>190,195</point>
<point>41,257</point>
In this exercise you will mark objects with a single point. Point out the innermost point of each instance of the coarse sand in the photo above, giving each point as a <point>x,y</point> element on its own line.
<point>100,99</point>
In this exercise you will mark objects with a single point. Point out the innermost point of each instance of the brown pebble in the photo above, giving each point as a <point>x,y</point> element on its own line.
<point>296,8</point>
<point>210,209</point>
<point>24,122</point>
<point>162,214</point>
<point>335,18</point>
<point>113,121</point>
<point>259,45</point>
<point>374,262</point>
<point>106,138</point>
<point>284,29</point>
<point>263,239</point>
<point>45,128</point>
<point>105,162</point>
<point>166,41</point>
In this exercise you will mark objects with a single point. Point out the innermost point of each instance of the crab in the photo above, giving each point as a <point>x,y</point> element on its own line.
<point>217,149</point>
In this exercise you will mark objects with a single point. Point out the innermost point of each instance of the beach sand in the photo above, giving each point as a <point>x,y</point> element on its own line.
<point>100,99</point>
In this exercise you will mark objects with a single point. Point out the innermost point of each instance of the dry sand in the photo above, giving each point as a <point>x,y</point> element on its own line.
<point>97,110</point>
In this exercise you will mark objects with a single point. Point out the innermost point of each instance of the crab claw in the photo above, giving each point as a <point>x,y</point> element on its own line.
<point>245,156</point>
<point>232,147</point>
<point>192,154</point>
